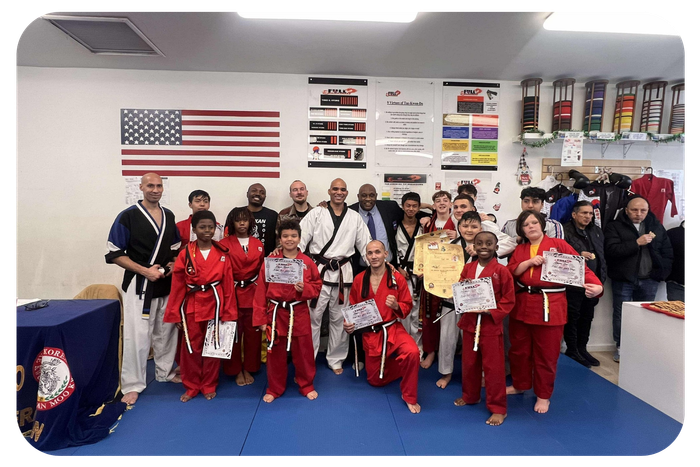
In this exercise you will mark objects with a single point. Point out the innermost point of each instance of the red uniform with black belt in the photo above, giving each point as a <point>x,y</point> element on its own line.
<point>535,343</point>
<point>246,267</point>
<point>198,288</point>
<point>489,354</point>
<point>402,357</point>
<point>278,300</point>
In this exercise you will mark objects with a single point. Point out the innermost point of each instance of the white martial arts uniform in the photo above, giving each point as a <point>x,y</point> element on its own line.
<point>411,322</point>
<point>316,231</point>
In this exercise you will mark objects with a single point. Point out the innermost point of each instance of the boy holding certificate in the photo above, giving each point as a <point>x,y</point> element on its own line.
<point>390,352</point>
<point>202,290</point>
<point>281,310</point>
<point>485,330</point>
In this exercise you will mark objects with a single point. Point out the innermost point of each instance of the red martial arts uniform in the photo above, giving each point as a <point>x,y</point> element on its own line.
<point>284,298</point>
<point>187,235</point>
<point>430,304</point>
<point>535,344</point>
<point>200,374</point>
<point>246,267</point>
<point>489,354</point>
<point>406,361</point>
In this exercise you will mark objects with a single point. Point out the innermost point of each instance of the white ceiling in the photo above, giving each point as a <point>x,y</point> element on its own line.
<point>497,46</point>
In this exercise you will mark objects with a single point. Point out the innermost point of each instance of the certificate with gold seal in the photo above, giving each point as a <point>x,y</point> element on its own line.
<point>443,266</point>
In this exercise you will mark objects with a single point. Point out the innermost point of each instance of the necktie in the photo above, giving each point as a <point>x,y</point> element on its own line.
<point>370,226</point>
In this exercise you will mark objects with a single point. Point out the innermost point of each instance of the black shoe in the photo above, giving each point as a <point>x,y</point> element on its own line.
<point>591,359</point>
<point>575,356</point>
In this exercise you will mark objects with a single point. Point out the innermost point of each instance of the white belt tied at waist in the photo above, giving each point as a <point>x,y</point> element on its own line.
<point>202,288</point>
<point>287,306</point>
<point>544,292</point>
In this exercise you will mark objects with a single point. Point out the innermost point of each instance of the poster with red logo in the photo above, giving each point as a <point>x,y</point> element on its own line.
<point>337,123</point>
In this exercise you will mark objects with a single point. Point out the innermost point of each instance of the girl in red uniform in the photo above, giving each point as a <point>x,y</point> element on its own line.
<point>202,290</point>
<point>247,254</point>
<point>538,319</point>
<point>286,306</point>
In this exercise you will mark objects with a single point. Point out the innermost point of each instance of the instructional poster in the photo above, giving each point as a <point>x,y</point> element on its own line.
<point>394,186</point>
<point>470,125</point>
<point>133,193</point>
<point>337,123</point>
<point>404,132</point>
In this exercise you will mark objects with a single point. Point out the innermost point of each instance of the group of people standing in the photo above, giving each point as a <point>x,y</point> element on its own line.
<point>179,277</point>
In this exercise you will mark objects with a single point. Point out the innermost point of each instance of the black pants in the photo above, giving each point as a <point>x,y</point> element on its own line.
<point>579,319</point>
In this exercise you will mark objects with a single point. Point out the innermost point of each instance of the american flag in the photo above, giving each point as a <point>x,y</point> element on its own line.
<point>200,143</point>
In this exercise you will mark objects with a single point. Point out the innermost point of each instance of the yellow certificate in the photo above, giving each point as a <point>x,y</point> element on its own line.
<point>438,236</point>
<point>443,266</point>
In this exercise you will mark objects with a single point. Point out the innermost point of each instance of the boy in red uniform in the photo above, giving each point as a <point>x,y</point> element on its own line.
<point>202,290</point>
<point>283,309</point>
<point>489,353</point>
<point>390,352</point>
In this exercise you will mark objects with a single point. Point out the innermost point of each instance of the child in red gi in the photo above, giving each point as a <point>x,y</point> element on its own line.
<point>282,310</point>
<point>202,290</point>
<point>489,353</point>
<point>247,254</point>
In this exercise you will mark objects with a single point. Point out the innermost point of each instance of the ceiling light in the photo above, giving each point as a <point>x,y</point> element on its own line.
<point>396,17</point>
<point>630,23</point>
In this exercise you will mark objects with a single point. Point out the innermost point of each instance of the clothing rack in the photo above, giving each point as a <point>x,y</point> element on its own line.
<point>593,168</point>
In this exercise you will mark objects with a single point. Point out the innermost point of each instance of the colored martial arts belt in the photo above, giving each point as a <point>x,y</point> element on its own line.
<point>544,292</point>
<point>245,282</point>
<point>287,306</point>
<point>201,288</point>
<point>383,327</point>
<point>477,333</point>
<point>446,304</point>
<point>332,265</point>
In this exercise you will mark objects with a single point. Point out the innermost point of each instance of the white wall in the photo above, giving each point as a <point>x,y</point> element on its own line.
<point>70,187</point>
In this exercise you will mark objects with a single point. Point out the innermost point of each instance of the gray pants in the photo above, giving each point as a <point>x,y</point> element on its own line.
<point>410,322</point>
<point>449,336</point>
<point>338,339</point>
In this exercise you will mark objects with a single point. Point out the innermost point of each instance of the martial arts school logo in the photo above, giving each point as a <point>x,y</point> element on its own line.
<point>340,91</point>
<point>393,93</point>
<point>52,373</point>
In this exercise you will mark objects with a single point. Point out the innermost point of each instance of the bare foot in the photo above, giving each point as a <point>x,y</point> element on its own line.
<point>240,379</point>
<point>176,379</point>
<point>338,371</point>
<point>268,398</point>
<point>542,405</point>
<point>130,397</point>
<point>496,419</point>
<point>248,378</point>
<point>444,381</point>
<point>185,398</point>
<point>177,370</point>
<point>460,402</point>
<point>312,395</point>
<point>510,390</point>
<point>414,408</point>
<point>209,396</point>
<point>428,361</point>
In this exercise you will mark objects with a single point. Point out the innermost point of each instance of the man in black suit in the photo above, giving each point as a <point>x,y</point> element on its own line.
<point>382,219</point>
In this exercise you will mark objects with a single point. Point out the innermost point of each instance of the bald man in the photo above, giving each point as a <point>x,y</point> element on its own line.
<point>144,241</point>
<point>331,234</point>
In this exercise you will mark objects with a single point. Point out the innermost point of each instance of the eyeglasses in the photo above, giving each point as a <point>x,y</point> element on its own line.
<point>36,305</point>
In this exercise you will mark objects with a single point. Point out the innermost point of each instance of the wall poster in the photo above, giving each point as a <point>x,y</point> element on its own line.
<point>337,123</point>
<point>470,125</point>
<point>487,199</point>
<point>394,186</point>
<point>404,132</point>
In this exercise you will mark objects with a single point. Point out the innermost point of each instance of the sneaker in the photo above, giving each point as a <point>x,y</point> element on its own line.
<point>616,355</point>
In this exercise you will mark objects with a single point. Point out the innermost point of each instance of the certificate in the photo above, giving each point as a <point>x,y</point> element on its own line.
<point>227,334</point>
<point>421,242</point>
<point>443,266</point>
<point>474,295</point>
<point>563,269</point>
<point>362,314</point>
<point>284,270</point>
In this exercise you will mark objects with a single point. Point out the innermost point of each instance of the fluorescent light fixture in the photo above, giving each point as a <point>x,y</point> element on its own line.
<point>629,23</point>
<point>395,17</point>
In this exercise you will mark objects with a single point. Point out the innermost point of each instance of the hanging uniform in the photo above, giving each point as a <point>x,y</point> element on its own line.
<point>658,192</point>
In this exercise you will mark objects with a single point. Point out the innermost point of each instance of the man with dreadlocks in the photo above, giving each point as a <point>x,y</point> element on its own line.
<point>390,352</point>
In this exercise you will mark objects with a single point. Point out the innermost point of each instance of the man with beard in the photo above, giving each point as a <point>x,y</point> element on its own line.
<point>265,218</point>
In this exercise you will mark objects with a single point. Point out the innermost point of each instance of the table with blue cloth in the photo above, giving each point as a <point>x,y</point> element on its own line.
<point>68,372</point>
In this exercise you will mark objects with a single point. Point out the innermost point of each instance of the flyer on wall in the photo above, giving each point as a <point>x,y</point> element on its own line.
<point>572,149</point>
<point>470,125</point>
<point>486,198</point>
<point>337,123</point>
<point>404,132</point>
<point>394,186</point>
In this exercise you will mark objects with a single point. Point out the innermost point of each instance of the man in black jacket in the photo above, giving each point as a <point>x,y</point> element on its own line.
<point>639,255</point>
<point>586,238</point>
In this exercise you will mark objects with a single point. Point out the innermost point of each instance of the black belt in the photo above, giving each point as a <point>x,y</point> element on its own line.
<point>544,292</point>
<point>445,304</point>
<point>245,282</point>
<point>333,265</point>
